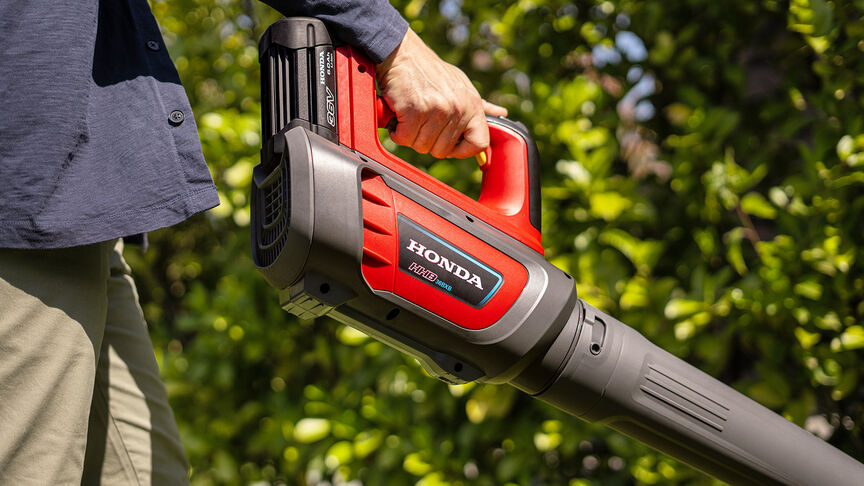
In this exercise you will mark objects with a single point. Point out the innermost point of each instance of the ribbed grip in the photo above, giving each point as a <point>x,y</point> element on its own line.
<point>615,376</point>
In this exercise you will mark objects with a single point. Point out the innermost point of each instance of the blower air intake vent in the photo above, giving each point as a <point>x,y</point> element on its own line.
<point>271,212</point>
<point>273,201</point>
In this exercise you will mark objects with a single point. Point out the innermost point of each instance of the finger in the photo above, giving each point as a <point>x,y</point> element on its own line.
<point>464,150</point>
<point>447,139</point>
<point>493,109</point>
<point>429,133</point>
<point>406,131</point>
<point>475,139</point>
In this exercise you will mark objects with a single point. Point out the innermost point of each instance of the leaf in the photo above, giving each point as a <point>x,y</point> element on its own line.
<point>339,453</point>
<point>433,479</point>
<point>852,338</point>
<point>635,294</point>
<point>309,430</point>
<point>545,442</point>
<point>805,338</point>
<point>416,465</point>
<point>643,254</point>
<point>734,252</point>
<point>822,17</point>
<point>367,442</point>
<point>810,289</point>
<point>705,238</point>
<point>677,308</point>
<point>755,204</point>
<point>829,322</point>
<point>814,19</point>
<point>489,402</point>
<point>608,205</point>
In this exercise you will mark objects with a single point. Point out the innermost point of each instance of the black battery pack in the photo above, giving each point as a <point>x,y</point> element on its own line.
<point>298,78</point>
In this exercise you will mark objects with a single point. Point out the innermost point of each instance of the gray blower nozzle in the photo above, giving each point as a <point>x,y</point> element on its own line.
<point>614,376</point>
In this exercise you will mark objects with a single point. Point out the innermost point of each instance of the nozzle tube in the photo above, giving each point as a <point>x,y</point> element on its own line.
<point>613,375</point>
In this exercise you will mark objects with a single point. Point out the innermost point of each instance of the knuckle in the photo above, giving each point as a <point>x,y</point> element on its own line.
<point>438,108</point>
<point>422,145</point>
<point>458,111</point>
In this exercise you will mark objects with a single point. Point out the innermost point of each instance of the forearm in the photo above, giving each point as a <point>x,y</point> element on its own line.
<point>373,26</point>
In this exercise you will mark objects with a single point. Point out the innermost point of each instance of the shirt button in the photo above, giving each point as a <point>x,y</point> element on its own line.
<point>176,117</point>
<point>153,45</point>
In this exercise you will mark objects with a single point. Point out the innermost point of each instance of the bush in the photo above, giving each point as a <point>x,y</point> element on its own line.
<point>702,180</point>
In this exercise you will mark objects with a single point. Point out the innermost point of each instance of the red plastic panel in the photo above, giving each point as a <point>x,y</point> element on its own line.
<point>381,209</point>
<point>505,187</point>
<point>380,240</point>
<point>506,207</point>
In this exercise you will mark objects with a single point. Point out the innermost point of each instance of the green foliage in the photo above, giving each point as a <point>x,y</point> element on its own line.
<point>706,189</point>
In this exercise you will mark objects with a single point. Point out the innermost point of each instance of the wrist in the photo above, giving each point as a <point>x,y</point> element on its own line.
<point>387,62</point>
<point>407,47</point>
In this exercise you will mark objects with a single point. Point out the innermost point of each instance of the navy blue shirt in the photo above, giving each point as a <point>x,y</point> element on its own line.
<point>97,138</point>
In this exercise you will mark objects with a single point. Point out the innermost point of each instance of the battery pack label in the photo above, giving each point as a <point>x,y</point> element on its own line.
<point>432,259</point>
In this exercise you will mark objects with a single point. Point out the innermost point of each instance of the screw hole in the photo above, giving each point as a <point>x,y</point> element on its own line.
<point>392,314</point>
<point>595,348</point>
<point>361,68</point>
<point>457,367</point>
<point>324,288</point>
<point>469,218</point>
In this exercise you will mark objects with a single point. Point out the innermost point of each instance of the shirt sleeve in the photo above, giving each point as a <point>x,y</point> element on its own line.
<point>373,26</point>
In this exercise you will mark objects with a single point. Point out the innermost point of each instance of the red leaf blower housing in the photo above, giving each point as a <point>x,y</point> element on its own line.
<point>344,228</point>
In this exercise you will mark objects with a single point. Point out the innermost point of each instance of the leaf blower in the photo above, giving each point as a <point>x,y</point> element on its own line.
<point>341,227</point>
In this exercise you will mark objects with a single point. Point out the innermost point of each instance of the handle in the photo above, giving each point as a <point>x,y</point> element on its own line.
<point>615,376</point>
<point>385,115</point>
<point>511,174</point>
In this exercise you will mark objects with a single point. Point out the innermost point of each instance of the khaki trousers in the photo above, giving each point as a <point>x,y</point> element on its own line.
<point>81,401</point>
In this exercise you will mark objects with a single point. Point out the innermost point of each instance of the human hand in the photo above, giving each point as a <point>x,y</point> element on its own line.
<point>438,110</point>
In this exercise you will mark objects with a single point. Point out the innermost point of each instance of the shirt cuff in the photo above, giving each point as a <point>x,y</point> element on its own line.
<point>373,26</point>
<point>380,43</point>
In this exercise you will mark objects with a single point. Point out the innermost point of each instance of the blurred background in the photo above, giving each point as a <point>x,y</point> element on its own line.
<point>703,180</point>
